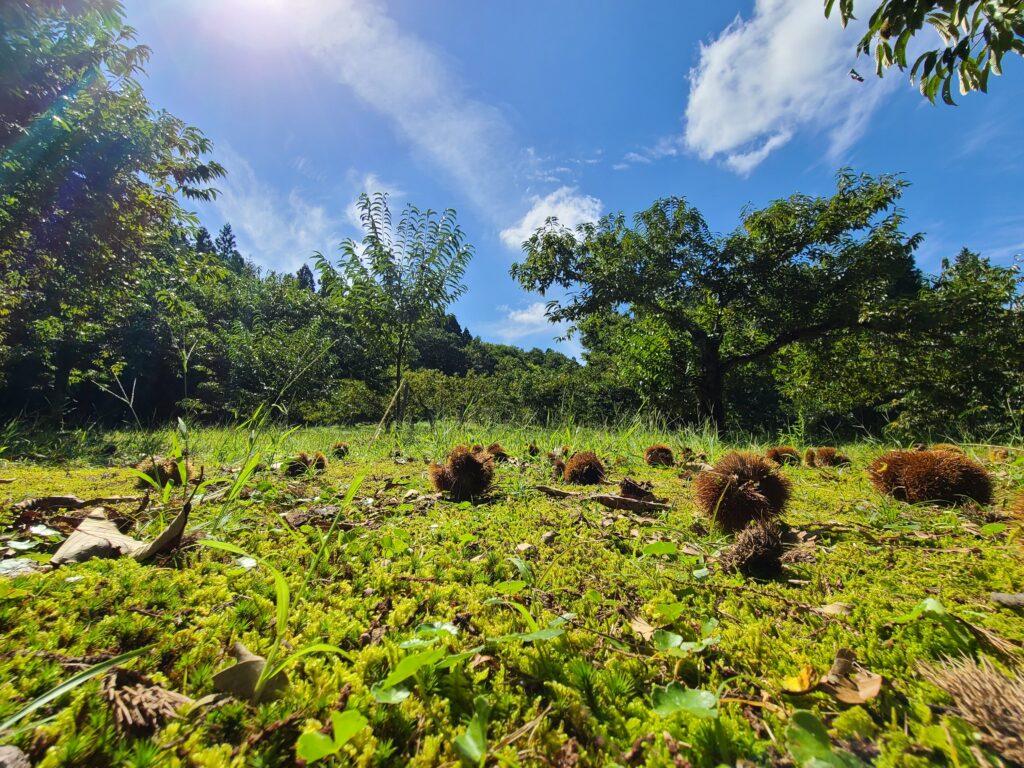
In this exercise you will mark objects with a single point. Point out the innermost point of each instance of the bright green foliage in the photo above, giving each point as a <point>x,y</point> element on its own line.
<point>399,279</point>
<point>976,35</point>
<point>89,180</point>
<point>494,652</point>
<point>799,270</point>
<point>954,364</point>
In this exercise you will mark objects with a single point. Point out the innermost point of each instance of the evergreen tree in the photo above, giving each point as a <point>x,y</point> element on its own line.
<point>204,243</point>
<point>227,249</point>
<point>305,278</point>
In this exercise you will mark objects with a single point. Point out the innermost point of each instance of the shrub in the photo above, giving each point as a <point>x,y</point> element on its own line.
<point>937,476</point>
<point>783,454</point>
<point>826,457</point>
<point>302,463</point>
<point>163,471</point>
<point>659,456</point>
<point>467,474</point>
<point>757,550</point>
<point>739,489</point>
<point>584,468</point>
<point>340,450</point>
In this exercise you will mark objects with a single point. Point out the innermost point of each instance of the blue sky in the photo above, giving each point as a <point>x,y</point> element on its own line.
<point>509,112</point>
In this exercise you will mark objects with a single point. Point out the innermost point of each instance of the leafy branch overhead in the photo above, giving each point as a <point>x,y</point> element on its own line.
<point>975,36</point>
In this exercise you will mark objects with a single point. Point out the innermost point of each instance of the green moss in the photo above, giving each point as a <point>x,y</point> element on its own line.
<point>399,563</point>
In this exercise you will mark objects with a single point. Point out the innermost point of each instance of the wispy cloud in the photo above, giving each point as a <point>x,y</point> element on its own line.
<point>279,231</point>
<point>403,78</point>
<point>567,204</point>
<point>765,79</point>
<point>529,325</point>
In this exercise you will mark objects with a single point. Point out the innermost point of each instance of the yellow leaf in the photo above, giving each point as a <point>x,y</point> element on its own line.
<point>803,682</point>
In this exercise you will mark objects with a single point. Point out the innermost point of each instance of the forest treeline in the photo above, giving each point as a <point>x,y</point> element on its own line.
<point>812,312</point>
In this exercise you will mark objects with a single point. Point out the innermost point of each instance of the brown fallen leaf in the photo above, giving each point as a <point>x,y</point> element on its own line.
<point>239,680</point>
<point>1008,600</point>
<point>12,757</point>
<point>848,682</point>
<point>642,628</point>
<point>97,536</point>
<point>835,609</point>
<point>636,489</point>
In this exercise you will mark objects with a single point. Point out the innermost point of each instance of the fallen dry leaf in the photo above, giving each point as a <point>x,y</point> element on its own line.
<point>848,682</point>
<point>1008,600</point>
<point>239,680</point>
<point>641,627</point>
<point>97,536</point>
<point>836,609</point>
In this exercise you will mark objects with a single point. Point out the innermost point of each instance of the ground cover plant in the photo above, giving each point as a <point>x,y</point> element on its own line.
<point>360,617</point>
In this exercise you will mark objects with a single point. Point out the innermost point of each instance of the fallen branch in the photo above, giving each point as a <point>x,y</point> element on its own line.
<point>606,499</point>
<point>558,493</point>
<point>53,503</point>
<point>625,503</point>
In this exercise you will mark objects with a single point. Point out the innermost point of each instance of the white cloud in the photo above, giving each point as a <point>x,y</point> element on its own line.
<point>529,326</point>
<point>277,231</point>
<point>764,79</point>
<point>567,204</point>
<point>400,76</point>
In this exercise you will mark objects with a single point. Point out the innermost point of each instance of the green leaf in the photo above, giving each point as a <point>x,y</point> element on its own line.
<point>412,664</point>
<point>677,698</point>
<point>472,744</point>
<point>389,695</point>
<point>315,746</point>
<point>224,546</point>
<point>283,599</point>
<point>660,548</point>
<point>509,587</point>
<point>808,743</point>
<point>993,529</point>
<point>346,725</point>
<point>929,607</point>
<point>670,611</point>
<point>69,685</point>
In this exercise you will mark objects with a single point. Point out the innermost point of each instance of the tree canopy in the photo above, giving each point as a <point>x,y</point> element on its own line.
<point>801,269</point>
<point>976,35</point>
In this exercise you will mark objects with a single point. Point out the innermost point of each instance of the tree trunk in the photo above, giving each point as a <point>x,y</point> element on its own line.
<point>399,372</point>
<point>711,386</point>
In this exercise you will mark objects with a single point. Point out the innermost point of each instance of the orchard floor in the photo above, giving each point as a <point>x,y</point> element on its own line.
<point>515,630</point>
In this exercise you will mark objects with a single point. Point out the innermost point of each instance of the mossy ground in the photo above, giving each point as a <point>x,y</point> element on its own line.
<point>400,563</point>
